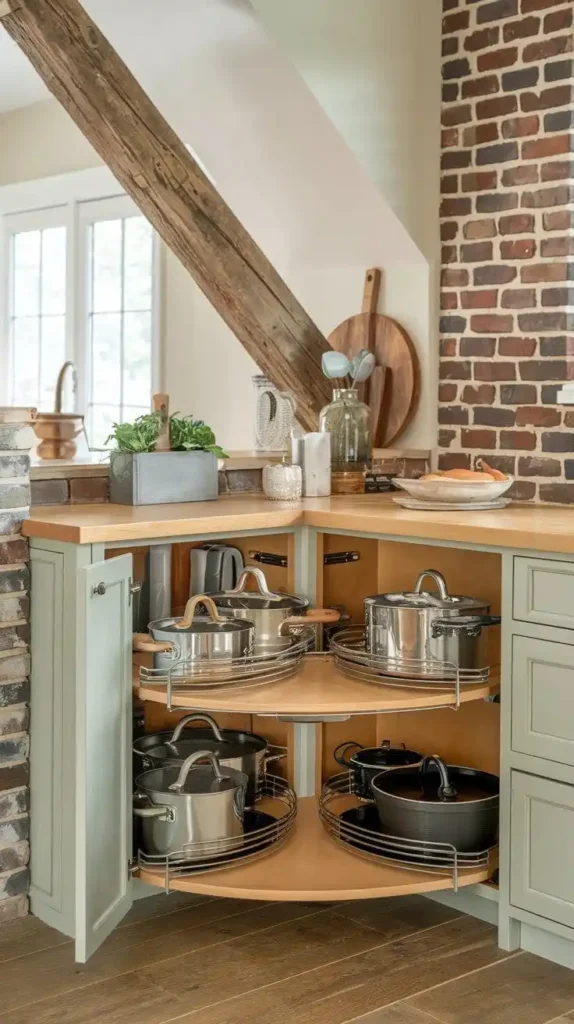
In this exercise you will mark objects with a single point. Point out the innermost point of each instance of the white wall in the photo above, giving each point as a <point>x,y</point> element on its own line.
<point>374,66</point>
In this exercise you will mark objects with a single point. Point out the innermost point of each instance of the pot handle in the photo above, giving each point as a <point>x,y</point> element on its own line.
<point>438,579</point>
<point>164,813</point>
<point>261,580</point>
<point>280,755</point>
<point>187,617</point>
<point>446,790</point>
<point>471,625</point>
<point>314,615</point>
<point>143,644</point>
<point>197,716</point>
<point>200,755</point>
<point>340,751</point>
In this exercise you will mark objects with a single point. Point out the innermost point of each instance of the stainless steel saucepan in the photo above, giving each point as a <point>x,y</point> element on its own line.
<point>196,637</point>
<point>414,630</point>
<point>274,615</point>
<point>201,805</point>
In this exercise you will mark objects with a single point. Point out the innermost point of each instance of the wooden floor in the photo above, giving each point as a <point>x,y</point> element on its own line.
<point>210,961</point>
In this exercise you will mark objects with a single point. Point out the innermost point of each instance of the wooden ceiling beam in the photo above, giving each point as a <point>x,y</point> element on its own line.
<point>87,76</point>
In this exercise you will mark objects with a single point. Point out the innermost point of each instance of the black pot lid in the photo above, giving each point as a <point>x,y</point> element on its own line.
<point>200,780</point>
<point>471,785</point>
<point>375,757</point>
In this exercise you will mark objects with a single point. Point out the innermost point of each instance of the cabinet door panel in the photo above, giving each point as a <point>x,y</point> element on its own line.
<point>544,592</point>
<point>543,699</point>
<point>541,845</point>
<point>103,739</point>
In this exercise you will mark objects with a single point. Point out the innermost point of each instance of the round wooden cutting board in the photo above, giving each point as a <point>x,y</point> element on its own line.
<point>394,350</point>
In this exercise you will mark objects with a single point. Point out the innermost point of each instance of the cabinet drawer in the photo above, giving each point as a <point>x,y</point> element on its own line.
<point>541,845</point>
<point>544,592</point>
<point>543,699</point>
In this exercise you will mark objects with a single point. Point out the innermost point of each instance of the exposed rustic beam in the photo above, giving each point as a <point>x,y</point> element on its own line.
<point>87,76</point>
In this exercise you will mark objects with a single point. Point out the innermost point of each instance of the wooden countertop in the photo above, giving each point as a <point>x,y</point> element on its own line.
<point>531,527</point>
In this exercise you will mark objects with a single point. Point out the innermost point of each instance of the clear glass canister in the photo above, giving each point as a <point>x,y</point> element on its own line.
<point>348,420</point>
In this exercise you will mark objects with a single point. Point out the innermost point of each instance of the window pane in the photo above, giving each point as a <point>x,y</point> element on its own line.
<point>137,358</point>
<point>53,355</point>
<point>102,419</point>
<point>54,271</point>
<point>26,273</point>
<point>138,264</point>
<point>107,266</point>
<point>106,357</point>
<point>25,360</point>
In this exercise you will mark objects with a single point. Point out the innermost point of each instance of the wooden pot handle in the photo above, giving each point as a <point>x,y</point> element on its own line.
<point>143,644</point>
<point>187,617</point>
<point>313,615</point>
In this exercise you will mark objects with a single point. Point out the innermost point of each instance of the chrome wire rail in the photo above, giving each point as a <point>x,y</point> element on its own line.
<point>231,673</point>
<point>254,844</point>
<point>374,845</point>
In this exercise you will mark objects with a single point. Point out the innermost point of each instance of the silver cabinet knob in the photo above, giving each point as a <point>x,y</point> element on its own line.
<point>100,589</point>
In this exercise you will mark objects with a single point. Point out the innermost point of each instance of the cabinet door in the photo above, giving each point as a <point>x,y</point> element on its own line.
<point>543,699</point>
<point>544,592</point>
<point>103,745</point>
<point>541,845</point>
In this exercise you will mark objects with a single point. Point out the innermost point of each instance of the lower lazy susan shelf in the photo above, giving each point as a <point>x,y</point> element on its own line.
<point>310,866</point>
<point>317,689</point>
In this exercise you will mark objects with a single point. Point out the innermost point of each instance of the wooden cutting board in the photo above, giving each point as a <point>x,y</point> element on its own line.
<point>394,351</point>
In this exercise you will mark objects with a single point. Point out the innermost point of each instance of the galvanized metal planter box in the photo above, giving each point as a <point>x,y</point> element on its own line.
<point>153,478</point>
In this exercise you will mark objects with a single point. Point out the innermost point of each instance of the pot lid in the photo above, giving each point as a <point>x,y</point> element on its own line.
<point>414,786</point>
<point>231,745</point>
<point>372,757</point>
<point>261,598</point>
<point>213,622</point>
<point>421,598</point>
<point>200,780</point>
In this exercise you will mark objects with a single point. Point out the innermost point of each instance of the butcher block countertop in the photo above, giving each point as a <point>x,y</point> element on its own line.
<point>529,527</point>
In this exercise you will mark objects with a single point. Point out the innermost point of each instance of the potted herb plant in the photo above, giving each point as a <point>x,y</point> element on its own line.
<point>160,459</point>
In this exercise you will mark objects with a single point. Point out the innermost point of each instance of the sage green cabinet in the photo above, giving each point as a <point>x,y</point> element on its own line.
<point>544,592</point>
<point>541,847</point>
<point>543,699</point>
<point>80,772</point>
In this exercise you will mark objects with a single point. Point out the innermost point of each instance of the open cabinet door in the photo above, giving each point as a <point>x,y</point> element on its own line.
<point>103,745</point>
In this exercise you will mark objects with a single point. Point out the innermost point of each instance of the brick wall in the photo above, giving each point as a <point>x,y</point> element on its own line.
<point>15,441</point>
<point>507,326</point>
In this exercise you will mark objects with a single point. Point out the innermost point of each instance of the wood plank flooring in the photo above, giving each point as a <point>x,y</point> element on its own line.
<point>195,960</point>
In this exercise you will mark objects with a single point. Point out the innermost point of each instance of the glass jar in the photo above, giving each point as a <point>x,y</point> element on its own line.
<point>348,420</point>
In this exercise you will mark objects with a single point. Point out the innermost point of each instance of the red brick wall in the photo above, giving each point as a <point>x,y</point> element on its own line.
<point>507,326</point>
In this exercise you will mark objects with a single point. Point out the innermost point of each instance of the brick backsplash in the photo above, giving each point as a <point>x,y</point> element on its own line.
<point>507,217</point>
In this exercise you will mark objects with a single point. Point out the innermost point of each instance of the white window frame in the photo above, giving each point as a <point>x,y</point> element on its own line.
<point>66,200</point>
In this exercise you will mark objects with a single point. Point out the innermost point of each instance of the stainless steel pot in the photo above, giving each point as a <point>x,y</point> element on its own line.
<point>414,631</point>
<point>196,637</point>
<point>198,805</point>
<point>436,803</point>
<point>244,751</point>
<point>274,615</point>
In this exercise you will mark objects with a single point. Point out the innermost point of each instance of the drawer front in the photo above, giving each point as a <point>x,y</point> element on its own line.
<point>544,592</point>
<point>541,847</point>
<point>543,699</point>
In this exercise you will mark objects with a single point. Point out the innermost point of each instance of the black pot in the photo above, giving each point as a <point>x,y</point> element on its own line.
<point>438,804</point>
<point>367,762</point>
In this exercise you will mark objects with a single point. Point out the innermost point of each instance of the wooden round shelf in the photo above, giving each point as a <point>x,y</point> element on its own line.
<point>313,867</point>
<point>317,690</point>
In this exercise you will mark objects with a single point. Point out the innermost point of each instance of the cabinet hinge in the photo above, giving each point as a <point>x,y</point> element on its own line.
<point>134,587</point>
<point>132,867</point>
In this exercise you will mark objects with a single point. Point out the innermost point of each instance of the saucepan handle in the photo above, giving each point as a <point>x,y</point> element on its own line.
<point>200,755</point>
<point>446,790</point>
<point>197,716</point>
<point>187,617</point>
<point>471,625</point>
<point>262,585</point>
<point>143,644</point>
<point>274,753</point>
<point>341,750</point>
<point>164,813</point>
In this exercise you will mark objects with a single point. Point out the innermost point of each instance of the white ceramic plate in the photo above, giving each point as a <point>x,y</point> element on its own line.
<point>453,490</point>
<point>447,506</point>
